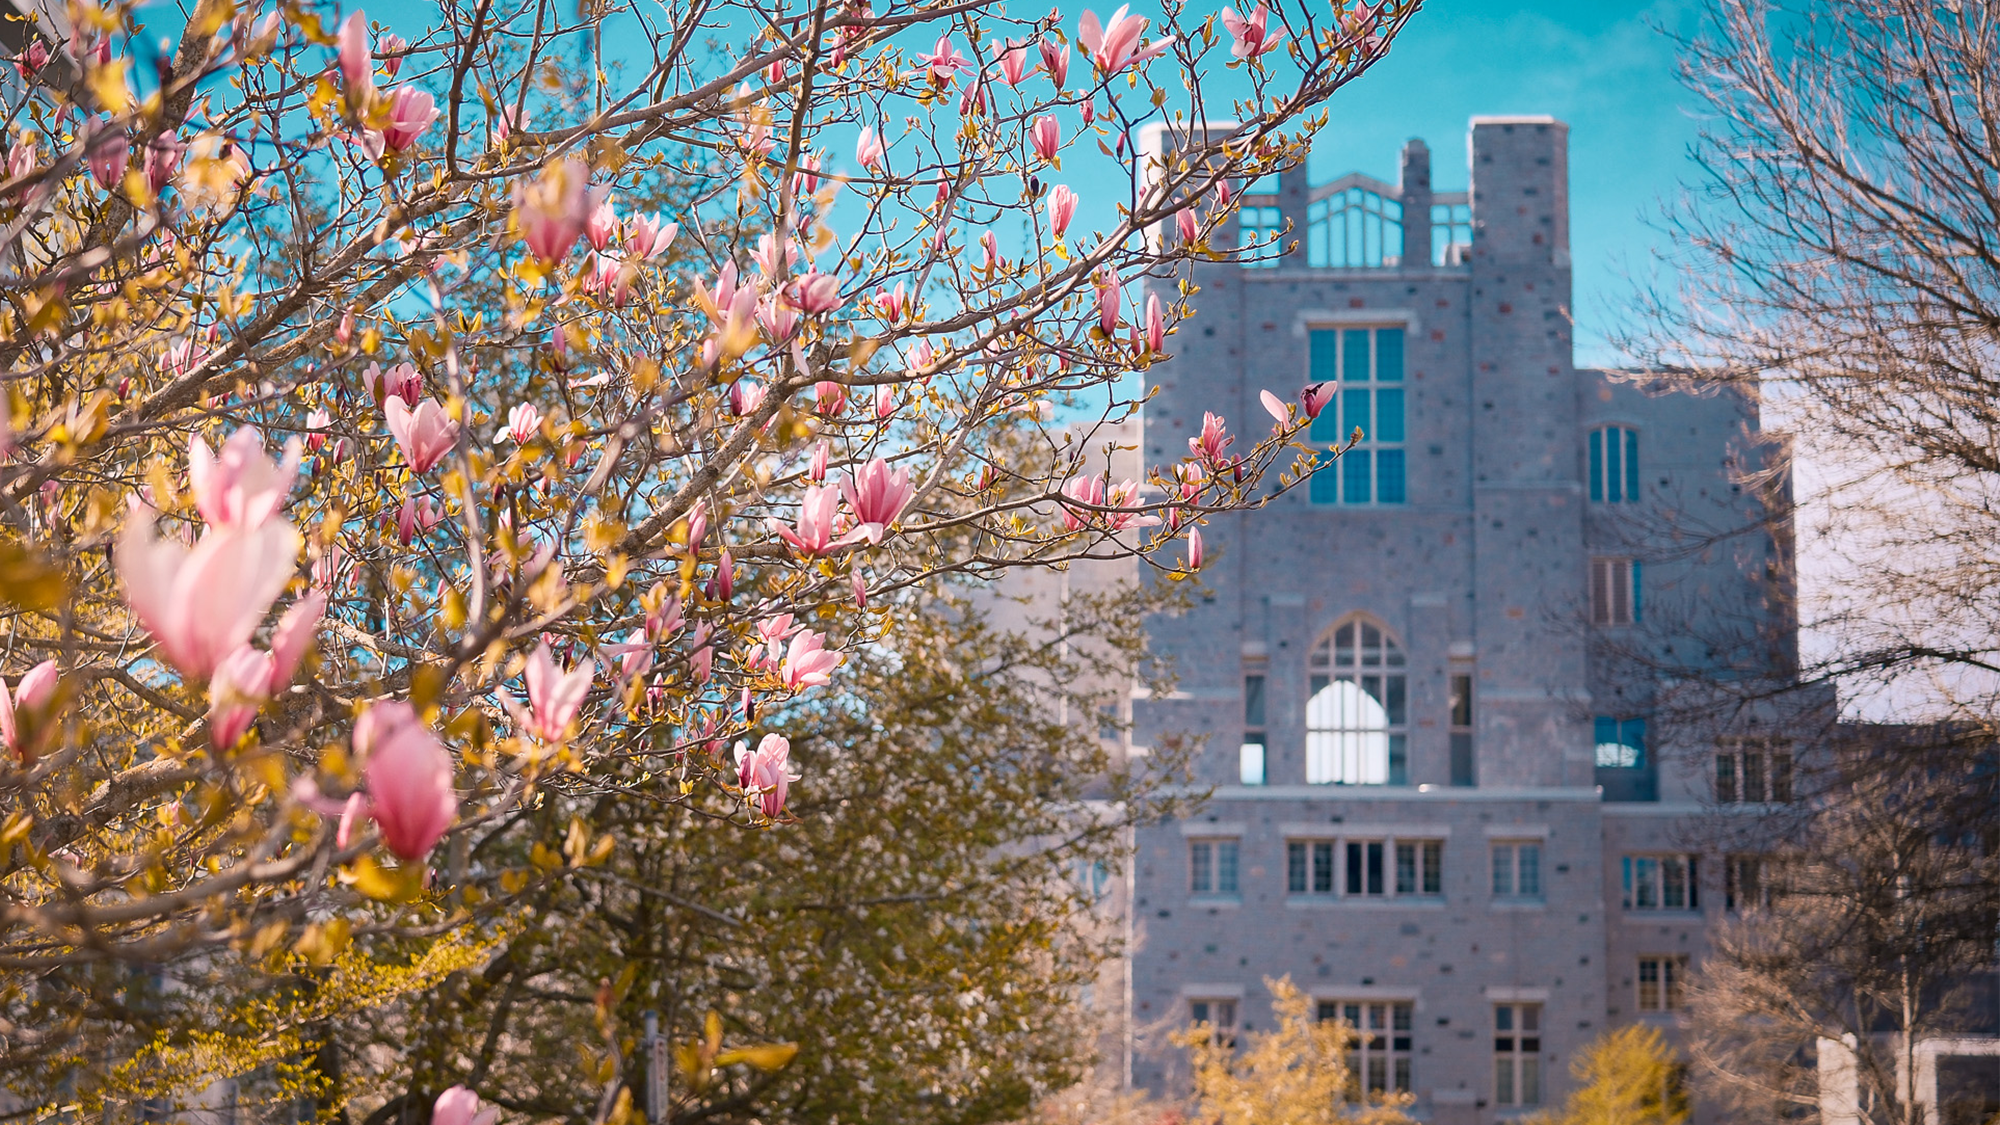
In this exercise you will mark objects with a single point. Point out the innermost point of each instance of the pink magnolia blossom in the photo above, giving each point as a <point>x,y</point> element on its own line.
<point>411,112</point>
<point>989,252</point>
<point>235,694</point>
<point>1115,45</point>
<point>868,149</point>
<point>860,585</point>
<point>460,1106</point>
<point>814,536</point>
<point>647,237</point>
<point>697,526</point>
<point>829,398</point>
<point>885,402</point>
<point>777,317</point>
<point>944,62</point>
<point>1275,407</point>
<point>293,638</point>
<point>701,657</point>
<point>554,696</point>
<point>22,156</point>
<point>891,303</point>
<point>610,278</point>
<point>1055,60</point>
<point>1083,490</point>
<point>317,421</point>
<point>1092,491</point>
<point>877,495</point>
<point>806,180</point>
<point>182,356</point>
<point>1107,301</point>
<point>763,774</point>
<point>524,421</point>
<point>1251,38</point>
<point>108,158</point>
<point>1188,224</point>
<point>1194,548</point>
<point>201,604</point>
<point>821,453</point>
<point>1315,397</point>
<point>31,694</point>
<point>242,487</point>
<point>774,256</point>
<point>392,46</point>
<point>666,617</point>
<point>602,225</point>
<point>1046,134</point>
<point>425,435</point>
<point>745,396</point>
<point>416,515</point>
<point>30,62</point>
<point>817,293</point>
<point>407,775</point>
<point>634,653</point>
<point>163,160</point>
<point>1062,208</point>
<point>808,662</point>
<point>357,63</point>
<point>1156,324</point>
<point>1214,438</point>
<point>1013,59</point>
<point>551,210</point>
<point>400,381</point>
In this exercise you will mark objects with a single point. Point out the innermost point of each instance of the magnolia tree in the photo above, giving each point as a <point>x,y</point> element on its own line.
<point>405,426</point>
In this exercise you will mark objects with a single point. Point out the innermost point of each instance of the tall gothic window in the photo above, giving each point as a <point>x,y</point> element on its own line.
<point>1356,719</point>
<point>1367,366</point>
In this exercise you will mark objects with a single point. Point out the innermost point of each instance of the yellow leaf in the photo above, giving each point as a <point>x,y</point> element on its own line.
<point>107,85</point>
<point>763,1056</point>
<point>382,883</point>
<point>27,580</point>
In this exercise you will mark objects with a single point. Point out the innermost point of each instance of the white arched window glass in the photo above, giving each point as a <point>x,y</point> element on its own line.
<point>1356,718</point>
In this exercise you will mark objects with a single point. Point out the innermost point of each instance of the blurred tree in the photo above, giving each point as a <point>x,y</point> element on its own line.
<point>1629,1076</point>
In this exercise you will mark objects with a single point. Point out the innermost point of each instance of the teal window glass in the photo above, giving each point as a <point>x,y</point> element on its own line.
<point>1388,355</point>
<point>1614,464</point>
<point>1354,358</point>
<point>1621,743</point>
<point>1368,366</point>
<point>1355,477</point>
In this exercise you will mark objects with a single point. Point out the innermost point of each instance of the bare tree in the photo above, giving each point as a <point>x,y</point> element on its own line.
<point>1839,255</point>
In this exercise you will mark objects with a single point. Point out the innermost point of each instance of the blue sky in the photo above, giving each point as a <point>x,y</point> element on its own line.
<point>1597,64</point>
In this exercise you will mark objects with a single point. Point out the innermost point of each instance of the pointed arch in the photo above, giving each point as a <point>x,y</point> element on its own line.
<point>1357,715</point>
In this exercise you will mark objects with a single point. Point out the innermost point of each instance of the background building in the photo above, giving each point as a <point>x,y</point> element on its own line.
<point>1429,677</point>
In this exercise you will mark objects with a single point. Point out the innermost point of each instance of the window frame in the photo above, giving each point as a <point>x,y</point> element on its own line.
<point>1223,1009</point>
<point>1459,728</point>
<point>1260,229</point>
<point>1206,853</point>
<point>1669,982</point>
<point>1644,875</point>
<point>1616,595</point>
<point>1372,863</point>
<point>1329,360</point>
<point>1385,664</point>
<point>1253,754</point>
<point>1774,776</point>
<point>1517,1055</point>
<point>1612,476</point>
<point>1387,1043</point>
<point>1625,733</point>
<point>1516,868</point>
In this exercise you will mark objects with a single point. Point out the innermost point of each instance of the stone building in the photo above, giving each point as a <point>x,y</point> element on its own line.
<point>1428,676</point>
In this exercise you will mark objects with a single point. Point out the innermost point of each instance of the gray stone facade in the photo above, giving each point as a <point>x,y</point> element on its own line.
<point>1516,558</point>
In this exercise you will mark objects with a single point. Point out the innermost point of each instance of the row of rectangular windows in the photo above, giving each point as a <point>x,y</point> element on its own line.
<point>1383,868</point>
<point>1367,366</point>
<point>1381,1035</point>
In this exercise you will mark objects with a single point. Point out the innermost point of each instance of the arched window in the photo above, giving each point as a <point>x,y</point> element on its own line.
<point>1614,465</point>
<point>1356,718</point>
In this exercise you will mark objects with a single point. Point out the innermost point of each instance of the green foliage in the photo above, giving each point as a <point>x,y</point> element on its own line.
<point>1626,1077</point>
<point>921,928</point>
